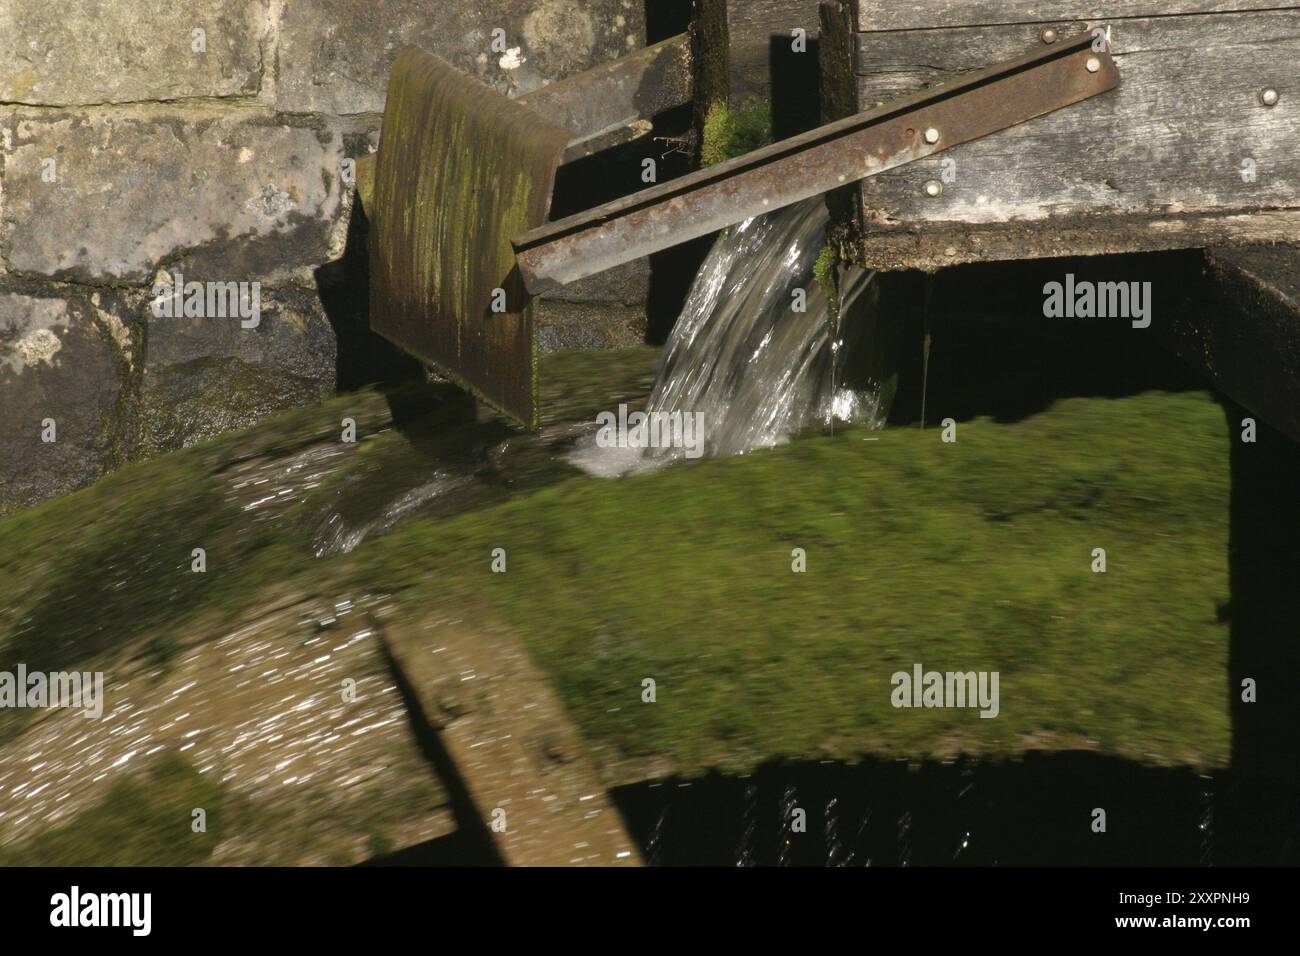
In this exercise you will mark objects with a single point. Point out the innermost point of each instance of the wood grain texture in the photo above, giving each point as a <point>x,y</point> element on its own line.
<point>931,246</point>
<point>838,100</point>
<point>751,25</point>
<point>460,169</point>
<point>893,15</point>
<point>838,56</point>
<point>1157,164</point>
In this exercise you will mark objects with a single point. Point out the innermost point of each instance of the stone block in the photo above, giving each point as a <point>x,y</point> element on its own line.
<point>123,51</point>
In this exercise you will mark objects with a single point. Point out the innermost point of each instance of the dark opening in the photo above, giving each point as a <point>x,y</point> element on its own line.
<point>796,86</point>
<point>667,18</point>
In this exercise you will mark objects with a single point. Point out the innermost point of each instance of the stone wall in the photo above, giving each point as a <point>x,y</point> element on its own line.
<point>144,138</point>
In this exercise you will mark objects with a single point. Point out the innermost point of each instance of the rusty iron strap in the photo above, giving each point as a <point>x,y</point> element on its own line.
<point>818,161</point>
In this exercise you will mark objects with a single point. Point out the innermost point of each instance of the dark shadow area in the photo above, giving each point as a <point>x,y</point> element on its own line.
<point>1264,572</point>
<point>994,353</point>
<point>455,849</point>
<point>608,175</point>
<point>441,421</point>
<point>472,843</point>
<point>796,86</point>
<point>344,289</point>
<point>616,173</point>
<point>1032,812</point>
<point>672,272</point>
<point>665,19</point>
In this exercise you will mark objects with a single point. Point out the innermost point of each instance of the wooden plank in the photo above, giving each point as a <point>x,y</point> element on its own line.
<point>750,27</point>
<point>893,15</point>
<point>1159,163</point>
<point>614,102</point>
<point>460,169</point>
<point>973,106</point>
<point>839,98</point>
<point>505,734</point>
<point>837,53</point>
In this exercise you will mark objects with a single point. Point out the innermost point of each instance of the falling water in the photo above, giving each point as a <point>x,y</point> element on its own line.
<point>744,357</point>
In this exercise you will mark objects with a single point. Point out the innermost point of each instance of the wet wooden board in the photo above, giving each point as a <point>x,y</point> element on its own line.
<point>1182,155</point>
<point>533,788</point>
<point>460,169</point>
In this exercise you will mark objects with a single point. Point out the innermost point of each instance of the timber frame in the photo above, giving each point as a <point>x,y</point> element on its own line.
<point>1189,152</point>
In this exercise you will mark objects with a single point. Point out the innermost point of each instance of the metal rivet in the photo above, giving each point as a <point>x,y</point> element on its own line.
<point>1048,35</point>
<point>1268,96</point>
<point>1093,64</point>
<point>932,135</point>
<point>933,187</point>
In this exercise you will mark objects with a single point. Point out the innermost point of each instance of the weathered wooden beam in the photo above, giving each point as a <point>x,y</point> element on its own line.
<point>838,98</point>
<point>1186,154</point>
<point>837,43</point>
<point>892,15</point>
<point>977,104</point>
<point>605,106</point>
<point>532,788</point>
<point>460,169</point>
<point>1244,334</point>
<point>615,102</point>
<point>747,31</point>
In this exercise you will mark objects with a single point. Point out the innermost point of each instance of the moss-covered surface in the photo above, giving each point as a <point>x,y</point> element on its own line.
<point>824,273</point>
<point>183,405</point>
<point>146,821</point>
<point>729,132</point>
<point>149,820</point>
<point>974,555</point>
<point>109,567</point>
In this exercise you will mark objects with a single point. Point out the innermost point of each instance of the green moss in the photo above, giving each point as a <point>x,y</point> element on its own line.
<point>824,267</point>
<point>824,272</point>
<point>109,567</point>
<point>145,821</point>
<point>77,574</point>
<point>967,556</point>
<point>730,133</point>
<point>973,555</point>
<point>716,135</point>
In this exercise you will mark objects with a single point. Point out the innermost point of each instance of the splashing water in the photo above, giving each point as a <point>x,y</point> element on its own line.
<point>742,357</point>
<point>337,536</point>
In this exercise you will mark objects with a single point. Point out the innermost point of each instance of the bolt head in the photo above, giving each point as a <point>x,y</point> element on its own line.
<point>1093,64</point>
<point>933,187</point>
<point>1268,96</point>
<point>932,135</point>
<point>1048,35</point>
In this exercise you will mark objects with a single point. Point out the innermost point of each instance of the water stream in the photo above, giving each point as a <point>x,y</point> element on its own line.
<point>756,354</point>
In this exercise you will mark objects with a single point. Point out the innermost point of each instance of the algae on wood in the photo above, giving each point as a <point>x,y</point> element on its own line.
<point>460,170</point>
